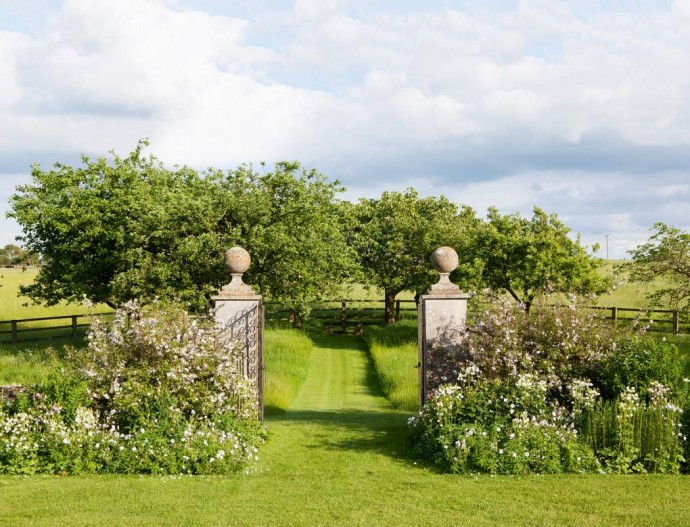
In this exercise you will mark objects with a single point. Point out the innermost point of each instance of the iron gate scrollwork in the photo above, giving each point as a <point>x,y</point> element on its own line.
<point>244,330</point>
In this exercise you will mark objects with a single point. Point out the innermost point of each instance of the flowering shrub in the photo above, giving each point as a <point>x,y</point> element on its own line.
<point>500,427</point>
<point>629,435</point>
<point>154,392</point>
<point>559,342</point>
<point>557,390</point>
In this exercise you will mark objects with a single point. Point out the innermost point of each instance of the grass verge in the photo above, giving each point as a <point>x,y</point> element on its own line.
<point>393,350</point>
<point>286,355</point>
<point>27,363</point>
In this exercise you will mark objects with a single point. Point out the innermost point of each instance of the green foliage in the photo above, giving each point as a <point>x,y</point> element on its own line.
<point>290,222</point>
<point>639,362</point>
<point>116,231</point>
<point>528,257</point>
<point>394,237</point>
<point>14,255</point>
<point>557,389</point>
<point>132,228</point>
<point>156,392</point>
<point>665,254</point>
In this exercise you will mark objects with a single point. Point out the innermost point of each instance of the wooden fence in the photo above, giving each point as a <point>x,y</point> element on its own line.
<point>615,313</point>
<point>27,325</point>
<point>343,313</point>
<point>337,313</point>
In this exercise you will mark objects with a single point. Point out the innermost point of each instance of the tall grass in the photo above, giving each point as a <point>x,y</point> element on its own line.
<point>30,363</point>
<point>286,355</point>
<point>394,352</point>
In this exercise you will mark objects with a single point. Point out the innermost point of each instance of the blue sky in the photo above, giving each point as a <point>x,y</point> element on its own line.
<point>581,107</point>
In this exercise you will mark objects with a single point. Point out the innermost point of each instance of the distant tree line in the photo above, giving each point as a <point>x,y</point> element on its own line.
<point>129,227</point>
<point>12,255</point>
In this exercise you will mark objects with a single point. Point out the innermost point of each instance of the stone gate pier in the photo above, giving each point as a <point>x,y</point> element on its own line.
<point>442,322</point>
<point>239,310</point>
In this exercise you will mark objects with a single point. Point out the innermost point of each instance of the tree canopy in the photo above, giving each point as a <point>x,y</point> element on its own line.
<point>666,254</point>
<point>526,257</point>
<point>116,229</point>
<point>290,222</point>
<point>12,254</point>
<point>131,228</point>
<point>395,235</point>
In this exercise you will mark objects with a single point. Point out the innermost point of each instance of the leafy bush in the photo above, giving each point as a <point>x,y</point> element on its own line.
<point>557,390</point>
<point>640,362</point>
<point>560,342</point>
<point>155,392</point>
<point>499,427</point>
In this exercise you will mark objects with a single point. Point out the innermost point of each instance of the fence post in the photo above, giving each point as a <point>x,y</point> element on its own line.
<point>74,325</point>
<point>676,322</point>
<point>614,314</point>
<point>397,310</point>
<point>14,332</point>
<point>343,315</point>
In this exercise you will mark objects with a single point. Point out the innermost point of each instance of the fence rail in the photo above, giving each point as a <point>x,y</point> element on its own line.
<point>73,326</point>
<point>343,312</point>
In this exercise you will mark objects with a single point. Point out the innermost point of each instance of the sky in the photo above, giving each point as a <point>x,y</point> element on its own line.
<point>579,107</point>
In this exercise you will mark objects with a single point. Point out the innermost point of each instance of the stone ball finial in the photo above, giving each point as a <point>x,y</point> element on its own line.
<point>237,260</point>
<point>444,259</point>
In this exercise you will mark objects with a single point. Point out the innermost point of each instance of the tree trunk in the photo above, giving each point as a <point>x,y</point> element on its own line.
<point>390,307</point>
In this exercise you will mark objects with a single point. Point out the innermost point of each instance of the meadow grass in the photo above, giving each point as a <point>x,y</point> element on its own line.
<point>15,307</point>
<point>393,351</point>
<point>286,355</point>
<point>28,363</point>
<point>626,293</point>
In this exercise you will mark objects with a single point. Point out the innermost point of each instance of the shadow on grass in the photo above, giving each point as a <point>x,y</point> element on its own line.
<point>50,347</point>
<point>375,428</point>
<point>383,432</point>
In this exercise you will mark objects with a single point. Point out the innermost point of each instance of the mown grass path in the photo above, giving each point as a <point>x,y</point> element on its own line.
<point>339,456</point>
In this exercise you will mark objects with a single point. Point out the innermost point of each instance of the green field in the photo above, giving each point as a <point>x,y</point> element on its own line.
<point>14,306</point>
<point>626,293</point>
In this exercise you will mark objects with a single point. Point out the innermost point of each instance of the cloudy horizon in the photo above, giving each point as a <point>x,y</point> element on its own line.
<point>581,108</point>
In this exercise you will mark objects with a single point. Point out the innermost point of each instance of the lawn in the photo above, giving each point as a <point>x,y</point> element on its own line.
<point>338,454</point>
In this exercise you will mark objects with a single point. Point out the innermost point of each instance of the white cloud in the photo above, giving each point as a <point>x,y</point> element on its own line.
<point>552,103</point>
